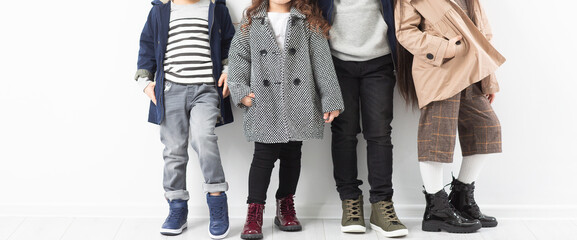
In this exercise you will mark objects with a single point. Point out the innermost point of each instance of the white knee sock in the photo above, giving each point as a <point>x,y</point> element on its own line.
<point>432,174</point>
<point>471,167</point>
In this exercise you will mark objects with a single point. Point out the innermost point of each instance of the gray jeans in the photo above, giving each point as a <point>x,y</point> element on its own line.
<point>190,109</point>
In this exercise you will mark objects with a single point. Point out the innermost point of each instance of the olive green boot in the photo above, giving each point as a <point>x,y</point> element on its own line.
<point>385,221</point>
<point>353,220</point>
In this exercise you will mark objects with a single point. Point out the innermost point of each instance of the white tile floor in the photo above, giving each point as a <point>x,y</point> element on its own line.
<point>61,228</point>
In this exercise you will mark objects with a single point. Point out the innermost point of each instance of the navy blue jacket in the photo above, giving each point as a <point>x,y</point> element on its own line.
<point>153,42</point>
<point>388,14</point>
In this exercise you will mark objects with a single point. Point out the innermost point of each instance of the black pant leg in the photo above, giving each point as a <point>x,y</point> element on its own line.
<point>344,132</point>
<point>265,155</point>
<point>377,87</point>
<point>290,168</point>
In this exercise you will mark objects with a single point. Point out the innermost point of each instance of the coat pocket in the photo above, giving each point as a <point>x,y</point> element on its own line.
<point>450,30</point>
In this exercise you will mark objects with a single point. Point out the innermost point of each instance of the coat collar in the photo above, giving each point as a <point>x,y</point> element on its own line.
<point>261,11</point>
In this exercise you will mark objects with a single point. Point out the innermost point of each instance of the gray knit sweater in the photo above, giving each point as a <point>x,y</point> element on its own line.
<point>359,32</point>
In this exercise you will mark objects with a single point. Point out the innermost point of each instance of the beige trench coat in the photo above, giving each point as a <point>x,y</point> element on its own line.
<point>424,27</point>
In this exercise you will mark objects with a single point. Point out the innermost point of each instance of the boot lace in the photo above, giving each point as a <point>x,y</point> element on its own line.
<point>254,213</point>
<point>470,198</point>
<point>353,209</point>
<point>468,190</point>
<point>287,206</point>
<point>175,213</point>
<point>388,211</point>
<point>217,212</point>
<point>447,204</point>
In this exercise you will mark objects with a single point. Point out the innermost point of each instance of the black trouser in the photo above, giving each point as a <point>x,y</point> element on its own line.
<point>367,89</point>
<point>265,155</point>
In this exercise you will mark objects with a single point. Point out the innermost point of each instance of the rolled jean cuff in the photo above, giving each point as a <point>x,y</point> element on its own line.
<point>178,194</point>
<point>215,187</point>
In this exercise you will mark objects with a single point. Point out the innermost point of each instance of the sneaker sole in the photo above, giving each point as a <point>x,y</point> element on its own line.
<point>251,236</point>
<point>395,233</point>
<point>173,232</point>
<point>292,228</point>
<point>353,229</point>
<point>219,236</point>
<point>437,226</point>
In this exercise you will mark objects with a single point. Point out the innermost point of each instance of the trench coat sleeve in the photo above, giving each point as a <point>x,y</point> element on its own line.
<point>489,84</point>
<point>486,27</point>
<point>423,45</point>
<point>146,54</point>
<point>239,65</point>
<point>324,73</point>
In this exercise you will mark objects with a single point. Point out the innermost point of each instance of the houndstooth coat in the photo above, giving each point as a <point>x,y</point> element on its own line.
<point>293,86</point>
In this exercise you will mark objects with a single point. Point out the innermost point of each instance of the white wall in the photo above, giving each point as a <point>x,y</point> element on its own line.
<point>74,138</point>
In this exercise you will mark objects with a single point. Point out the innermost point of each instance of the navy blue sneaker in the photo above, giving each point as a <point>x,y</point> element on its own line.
<point>175,223</point>
<point>218,207</point>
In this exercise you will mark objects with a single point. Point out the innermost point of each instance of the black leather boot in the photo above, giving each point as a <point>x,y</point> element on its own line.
<point>441,215</point>
<point>462,198</point>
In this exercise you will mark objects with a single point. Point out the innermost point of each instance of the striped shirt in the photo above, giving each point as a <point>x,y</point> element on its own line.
<point>187,59</point>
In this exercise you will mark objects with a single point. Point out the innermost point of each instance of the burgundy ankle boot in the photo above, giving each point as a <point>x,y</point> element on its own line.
<point>286,218</point>
<point>253,225</point>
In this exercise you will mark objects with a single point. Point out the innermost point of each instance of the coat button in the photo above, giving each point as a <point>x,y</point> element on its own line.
<point>262,21</point>
<point>292,51</point>
<point>263,52</point>
<point>266,82</point>
<point>430,56</point>
<point>458,42</point>
<point>297,81</point>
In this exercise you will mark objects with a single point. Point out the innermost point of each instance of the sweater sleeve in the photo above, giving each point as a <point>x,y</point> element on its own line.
<point>324,73</point>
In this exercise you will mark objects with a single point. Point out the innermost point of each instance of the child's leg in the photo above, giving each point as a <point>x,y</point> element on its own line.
<point>174,135</point>
<point>436,140</point>
<point>377,88</point>
<point>479,133</point>
<point>438,129</point>
<point>203,116</point>
<point>204,113</point>
<point>345,129</point>
<point>471,168</point>
<point>436,143</point>
<point>290,168</point>
<point>289,172</point>
<point>265,155</point>
<point>432,175</point>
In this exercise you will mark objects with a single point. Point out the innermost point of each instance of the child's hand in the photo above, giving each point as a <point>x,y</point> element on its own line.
<point>491,97</point>
<point>222,81</point>
<point>149,90</point>
<point>452,49</point>
<point>330,116</point>
<point>247,100</point>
